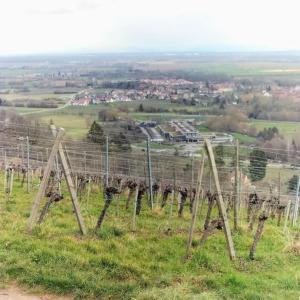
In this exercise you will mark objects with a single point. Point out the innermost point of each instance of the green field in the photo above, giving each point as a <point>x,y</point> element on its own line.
<point>147,264</point>
<point>37,96</point>
<point>76,119</point>
<point>285,128</point>
<point>244,138</point>
<point>75,126</point>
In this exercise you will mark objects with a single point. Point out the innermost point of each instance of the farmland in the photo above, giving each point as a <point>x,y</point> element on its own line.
<point>118,262</point>
<point>147,264</point>
<point>285,128</point>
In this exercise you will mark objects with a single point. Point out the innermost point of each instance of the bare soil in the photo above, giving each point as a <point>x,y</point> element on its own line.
<point>14,293</point>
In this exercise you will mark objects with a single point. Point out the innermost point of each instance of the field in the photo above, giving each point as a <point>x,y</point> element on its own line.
<point>78,119</point>
<point>75,126</point>
<point>285,128</point>
<point>147,264</point>
<point>244,138</point>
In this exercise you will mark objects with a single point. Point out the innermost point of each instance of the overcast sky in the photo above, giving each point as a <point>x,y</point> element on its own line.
<point>46,26</point>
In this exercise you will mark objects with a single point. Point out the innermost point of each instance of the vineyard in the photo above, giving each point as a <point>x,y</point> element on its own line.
<point>150,224</point>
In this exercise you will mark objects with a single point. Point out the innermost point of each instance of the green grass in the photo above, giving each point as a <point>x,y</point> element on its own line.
<point>285,128</point>
<point>163,117</point>
<point>156,146</point>
<point>148,264</point>
<point>37,96</point>
<point>75,119</point>
<point>75,126</point>
<point>243,137</point>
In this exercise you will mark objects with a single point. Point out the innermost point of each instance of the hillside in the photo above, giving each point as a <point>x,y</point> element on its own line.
<point>148,264</point>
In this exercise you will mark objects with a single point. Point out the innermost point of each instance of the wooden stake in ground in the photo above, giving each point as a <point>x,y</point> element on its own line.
<point>236,186</point>
<point>8,181</point>
<point>41,192</point>
<point>172,196</point>
<point>149,166</point>
<point>28,165</point>
<point>106,162</point>
<point>220,202</point>
<point>118,198</point>
<point>70,184</point>
<point>5,172</point>
<point>57,148</point>
<point>133,224</point>
<point>195,208</point>
<point>288,208</point>
<point>296,205</point>
<point>11,181</point>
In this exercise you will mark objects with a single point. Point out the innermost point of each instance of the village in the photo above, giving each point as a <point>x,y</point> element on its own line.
<point>165,89</point>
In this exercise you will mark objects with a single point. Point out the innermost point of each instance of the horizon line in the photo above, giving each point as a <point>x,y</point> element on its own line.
<point>144,52</point>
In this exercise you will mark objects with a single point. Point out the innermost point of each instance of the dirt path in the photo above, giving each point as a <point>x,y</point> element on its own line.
<point>14,293</point>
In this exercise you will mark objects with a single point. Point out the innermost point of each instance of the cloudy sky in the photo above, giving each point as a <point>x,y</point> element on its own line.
<point>48,26</point>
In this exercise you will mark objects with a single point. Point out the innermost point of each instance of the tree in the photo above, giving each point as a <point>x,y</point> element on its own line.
<point>233,120</point>
<point>141,108</point>
<point>292,184</point>
<point>121,142</point>
<point>268,134</point>
<point>219,155</point>
<point>96,133</point>
<point>258,164</point>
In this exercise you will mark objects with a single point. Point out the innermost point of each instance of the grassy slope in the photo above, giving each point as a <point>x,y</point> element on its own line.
<point>118,264</point>
<point>76,126</point>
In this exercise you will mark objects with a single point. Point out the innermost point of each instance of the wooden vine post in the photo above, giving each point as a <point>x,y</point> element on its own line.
<point>236,186</point>
<point>11,183</point>
<point>287,213</point>
<point>5,178</point>
<point>149,166</point>
<point>221,206</point>
<point>296,205</point>
<point>28,164</point>
<point>41,192</point>
<point>195,207</point>
<point>56,149</point>
<point>172,196</point>
<point>133,224</point>
<point>106,161</point>
<point>70,183</point>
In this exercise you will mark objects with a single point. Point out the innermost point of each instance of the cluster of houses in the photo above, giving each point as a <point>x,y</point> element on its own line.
<point>154,89</point>
<point>287,92</point>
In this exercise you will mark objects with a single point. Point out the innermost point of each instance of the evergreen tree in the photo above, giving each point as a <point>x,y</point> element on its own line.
<point>292,184</point>
<point>96,133</point>
<point>258,164</point>
<point>141,108</point>
<point>219,155</point>
<point>121,142</point>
